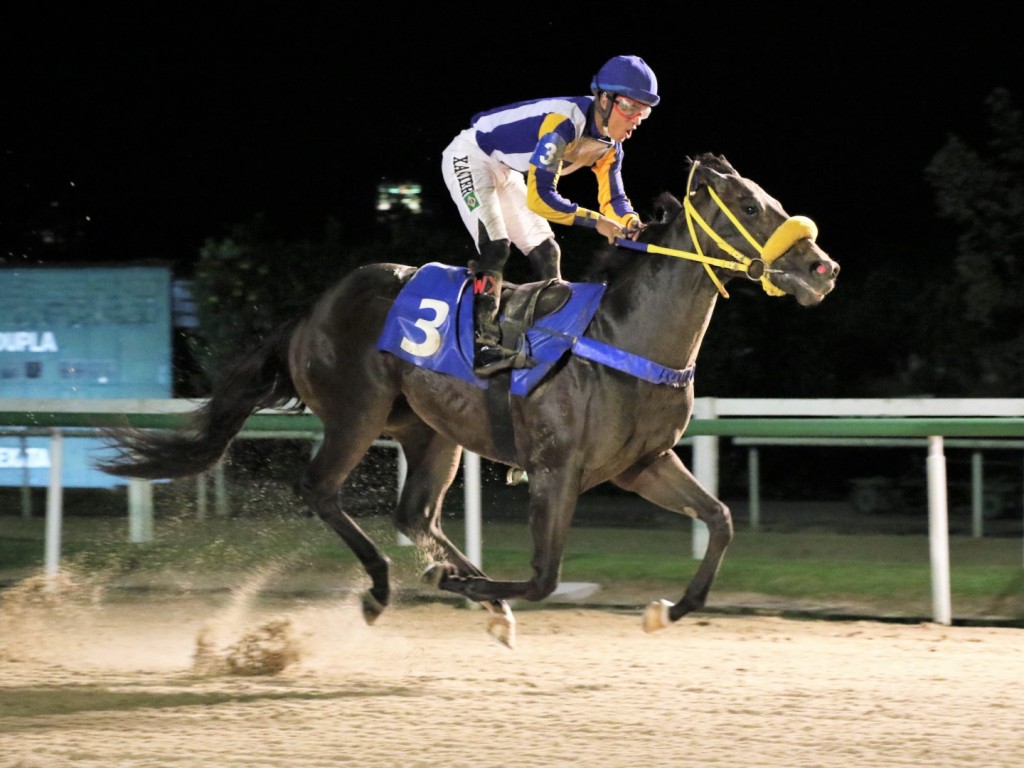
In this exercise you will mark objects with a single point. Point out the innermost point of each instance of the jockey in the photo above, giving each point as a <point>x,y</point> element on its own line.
<point>503,174</point>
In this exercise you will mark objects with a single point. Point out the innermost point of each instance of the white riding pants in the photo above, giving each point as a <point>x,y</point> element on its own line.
<point>487,192</point>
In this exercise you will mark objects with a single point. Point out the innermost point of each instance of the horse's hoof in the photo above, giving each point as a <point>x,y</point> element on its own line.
<point>502,628</point>
<point>501,624</point>
<point>656,615</point>
<point>372,608</point>
<point>516,476</point>
<point>433,574</point>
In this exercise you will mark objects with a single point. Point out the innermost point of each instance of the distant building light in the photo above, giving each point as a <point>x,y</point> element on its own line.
<point>393,196</point>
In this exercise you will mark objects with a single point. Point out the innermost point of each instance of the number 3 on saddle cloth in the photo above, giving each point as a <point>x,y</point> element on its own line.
<point>431,325</point>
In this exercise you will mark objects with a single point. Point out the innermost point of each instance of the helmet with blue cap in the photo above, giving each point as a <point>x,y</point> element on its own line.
<point>627,76</point>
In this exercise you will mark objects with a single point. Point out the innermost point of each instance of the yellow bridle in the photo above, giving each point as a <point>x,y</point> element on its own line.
<point>785,236</point>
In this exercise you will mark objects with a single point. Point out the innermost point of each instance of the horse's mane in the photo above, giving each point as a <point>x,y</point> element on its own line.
<point>609,260</point>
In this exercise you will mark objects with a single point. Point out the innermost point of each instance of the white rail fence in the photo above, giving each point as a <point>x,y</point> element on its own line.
<point>752,422</point>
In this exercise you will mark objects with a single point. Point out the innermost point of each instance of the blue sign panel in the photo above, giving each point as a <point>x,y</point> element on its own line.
<point>80,333</point>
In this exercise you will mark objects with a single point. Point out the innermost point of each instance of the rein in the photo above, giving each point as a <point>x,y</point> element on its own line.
<point>785,236</point>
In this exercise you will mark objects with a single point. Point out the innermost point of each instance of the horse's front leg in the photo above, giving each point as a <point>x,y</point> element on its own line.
<point>669,484</point>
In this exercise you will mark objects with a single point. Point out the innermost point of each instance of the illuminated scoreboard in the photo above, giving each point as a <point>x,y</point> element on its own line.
<point>80,333</point>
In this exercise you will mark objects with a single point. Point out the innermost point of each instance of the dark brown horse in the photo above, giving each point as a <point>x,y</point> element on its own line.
<point>586,423</point>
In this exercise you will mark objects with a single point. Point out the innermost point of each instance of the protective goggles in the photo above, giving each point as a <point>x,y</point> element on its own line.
<point>631,110</point>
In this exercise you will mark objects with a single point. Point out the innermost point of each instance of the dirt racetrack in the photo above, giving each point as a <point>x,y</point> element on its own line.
<point>132,680</point>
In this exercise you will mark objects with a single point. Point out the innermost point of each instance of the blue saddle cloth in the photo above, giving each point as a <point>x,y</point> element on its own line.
<point>431,325</point>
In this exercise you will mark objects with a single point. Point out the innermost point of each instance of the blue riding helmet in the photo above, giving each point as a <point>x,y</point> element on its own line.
<point>627,76</point>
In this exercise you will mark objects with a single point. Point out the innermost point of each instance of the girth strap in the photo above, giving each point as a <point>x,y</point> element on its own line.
<point>499,414</point>
<point>634,365</point>
<point>518,312</point>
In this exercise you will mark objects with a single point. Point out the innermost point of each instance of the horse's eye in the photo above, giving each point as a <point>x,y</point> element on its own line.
<point>750,210</point>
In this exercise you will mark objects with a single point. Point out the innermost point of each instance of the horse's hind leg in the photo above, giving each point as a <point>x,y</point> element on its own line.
<point>320,486</point>
<point>433,461</point>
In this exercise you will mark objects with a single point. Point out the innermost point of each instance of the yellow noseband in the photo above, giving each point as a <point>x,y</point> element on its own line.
<point>789,233</point>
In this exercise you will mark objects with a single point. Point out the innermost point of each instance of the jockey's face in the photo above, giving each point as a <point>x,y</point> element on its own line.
<point>626,114</point>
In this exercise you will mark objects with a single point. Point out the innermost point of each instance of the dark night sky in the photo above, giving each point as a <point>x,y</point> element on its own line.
<point>172,126</point>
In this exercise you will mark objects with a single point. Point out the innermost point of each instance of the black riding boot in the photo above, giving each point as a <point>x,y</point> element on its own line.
<point>489,356</point>
<point>545,260</point>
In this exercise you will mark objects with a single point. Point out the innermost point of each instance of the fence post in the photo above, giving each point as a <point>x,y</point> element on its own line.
<point>220,491</point>
<point>474,515</point>
<point>705,468</point>
<point>754,478</point>
<point>202,497</point>
<point>140,510</point>
<point>54,505</point>
<point>403,471</point>
<point>977,495</point>
<point>26,485</point>
<point>938,531</point>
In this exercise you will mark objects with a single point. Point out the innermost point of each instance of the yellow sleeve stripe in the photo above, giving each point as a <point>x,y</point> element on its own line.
<point>538,206</point>
<point>551,122</point>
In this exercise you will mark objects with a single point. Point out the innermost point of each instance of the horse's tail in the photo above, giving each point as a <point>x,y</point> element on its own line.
<point>258,380</point>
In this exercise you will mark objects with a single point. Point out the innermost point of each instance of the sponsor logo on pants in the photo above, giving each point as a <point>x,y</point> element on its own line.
<point>465,178</point>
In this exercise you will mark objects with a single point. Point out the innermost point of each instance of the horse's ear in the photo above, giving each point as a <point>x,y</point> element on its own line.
<point>702,175</point>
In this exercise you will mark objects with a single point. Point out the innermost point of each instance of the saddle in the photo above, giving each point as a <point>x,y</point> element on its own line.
<point>522,304</point>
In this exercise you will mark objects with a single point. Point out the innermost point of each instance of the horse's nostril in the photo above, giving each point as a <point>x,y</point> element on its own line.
<point>831,269</point>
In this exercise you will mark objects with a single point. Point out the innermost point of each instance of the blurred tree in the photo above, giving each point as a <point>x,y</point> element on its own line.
<point>249,281</point>
<point>981,331</point>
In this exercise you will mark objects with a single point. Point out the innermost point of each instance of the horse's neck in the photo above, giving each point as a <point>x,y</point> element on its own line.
<point>660,310</point>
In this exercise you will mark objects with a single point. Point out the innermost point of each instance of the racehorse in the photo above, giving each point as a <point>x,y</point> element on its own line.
<point>591,418</point>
